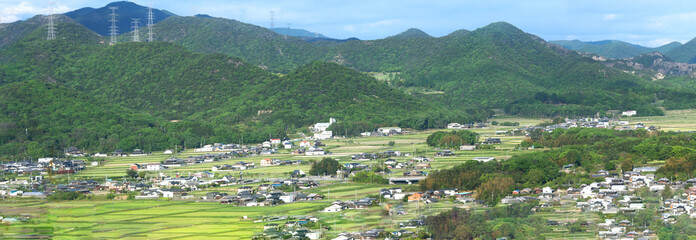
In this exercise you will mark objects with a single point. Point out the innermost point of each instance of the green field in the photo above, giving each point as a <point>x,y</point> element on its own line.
<point>146,219</point>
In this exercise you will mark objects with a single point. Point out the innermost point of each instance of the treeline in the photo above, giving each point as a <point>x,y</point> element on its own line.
<point>513,222</point>
<point>452,139</point>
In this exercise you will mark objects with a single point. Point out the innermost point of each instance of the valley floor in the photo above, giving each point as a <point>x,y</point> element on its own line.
<point>195,218</point>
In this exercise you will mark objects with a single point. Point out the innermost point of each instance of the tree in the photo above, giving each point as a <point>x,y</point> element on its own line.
<point>132,173</point>
<point>667,193</point>
<point>610,166</point>
<point>326,166</point>
<point>627,165</point>
<point>392,143</point>
<point>110,196</point>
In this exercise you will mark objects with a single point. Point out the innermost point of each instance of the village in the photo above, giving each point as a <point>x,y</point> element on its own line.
<point>235,175</point>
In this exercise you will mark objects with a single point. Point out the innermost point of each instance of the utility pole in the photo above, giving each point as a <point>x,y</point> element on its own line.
<point>272,19</point>
<point>113,29</point>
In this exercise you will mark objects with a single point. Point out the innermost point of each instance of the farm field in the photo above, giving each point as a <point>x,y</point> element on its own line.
<point>145,219</point>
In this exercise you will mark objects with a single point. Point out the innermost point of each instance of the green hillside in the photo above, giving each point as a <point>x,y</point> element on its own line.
<point>41,119</point>
<point>253,44</point>
<point>499,66</point>
<point>212,97</point>
<point>685,53</point>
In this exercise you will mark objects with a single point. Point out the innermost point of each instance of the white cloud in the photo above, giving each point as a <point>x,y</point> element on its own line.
<point>609,17</point>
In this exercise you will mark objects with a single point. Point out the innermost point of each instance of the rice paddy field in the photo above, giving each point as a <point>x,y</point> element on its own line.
<point>169,219</point>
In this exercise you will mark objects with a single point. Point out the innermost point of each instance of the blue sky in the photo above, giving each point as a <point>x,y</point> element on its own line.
<point>650,23</point>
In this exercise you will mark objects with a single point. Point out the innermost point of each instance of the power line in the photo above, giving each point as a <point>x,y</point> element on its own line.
<point>113,29</point>
<point>136,27</point>
<point>51,26</point>
<point>150,20</point>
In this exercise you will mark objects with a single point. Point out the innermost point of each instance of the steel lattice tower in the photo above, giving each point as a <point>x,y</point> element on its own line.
<point>113,29</point>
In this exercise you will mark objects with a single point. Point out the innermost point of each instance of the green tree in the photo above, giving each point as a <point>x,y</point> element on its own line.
<point>667,193</point>
<point>132,173</point>
<point>326,166</point>
<point>627,165</point>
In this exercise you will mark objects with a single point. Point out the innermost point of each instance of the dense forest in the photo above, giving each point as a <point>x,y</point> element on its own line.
<point>586,149</point>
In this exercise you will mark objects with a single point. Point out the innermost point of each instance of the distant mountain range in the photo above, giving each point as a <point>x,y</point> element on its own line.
<point>613,48</point>
<point>97,19</point>
<point>297,33</point>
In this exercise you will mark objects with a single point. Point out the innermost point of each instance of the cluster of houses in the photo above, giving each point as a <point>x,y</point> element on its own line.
<point>384,131</point>
<point>363,203</point>
<point>369,234</point>
<point>291,229</point>
<point>268,194</point>
<point>429,196</point>
<point>458,126</point>
<point>44,166</point>
<point>616,194</point>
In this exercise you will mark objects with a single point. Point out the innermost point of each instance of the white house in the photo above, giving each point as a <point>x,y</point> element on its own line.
<point>287,145</point>
<point>266,162</point>
<point>323,135</point>
<point>288,198</point>
<point>387,130</point>
<point>629,113</point>
<point>275,140</point>
<point>321,127</point>
<point>483,159</point>
<point>454,126</point>
<point>206,148</point>
<point>266,144</point>
<point>333,208</point>
<point>314,152</point>
<point>154,167</point>
<point>45,160</point>
<point>467,148</point>
<point>305,144</point>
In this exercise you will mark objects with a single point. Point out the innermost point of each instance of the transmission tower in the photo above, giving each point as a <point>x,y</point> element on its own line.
<point>51,26</point>
<point>136,28</point>
<point>113,29</point>
<point>150,20</point>
<point>272,20</point>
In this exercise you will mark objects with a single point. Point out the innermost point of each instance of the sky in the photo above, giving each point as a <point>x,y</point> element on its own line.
<point>648,23</point>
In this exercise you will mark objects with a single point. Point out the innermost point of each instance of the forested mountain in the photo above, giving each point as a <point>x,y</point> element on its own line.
<point>412,33</point>
<point>685,53</point>
<point>212,97</point>
<point>613,48</point>
<point>499,66</point>
<point>97,19</point>
<point>12,32</point>
<point>254,44</point>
